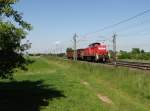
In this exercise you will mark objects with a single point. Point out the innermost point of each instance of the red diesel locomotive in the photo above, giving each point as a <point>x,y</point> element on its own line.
<point>94,52</point>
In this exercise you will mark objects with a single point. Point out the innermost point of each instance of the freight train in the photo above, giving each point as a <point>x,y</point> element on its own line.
<point>95,52</point>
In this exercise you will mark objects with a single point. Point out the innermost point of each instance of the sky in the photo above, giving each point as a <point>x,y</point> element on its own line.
<point>56,21</point>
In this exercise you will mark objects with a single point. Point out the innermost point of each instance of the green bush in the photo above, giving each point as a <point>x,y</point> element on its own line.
<point>136,53</point>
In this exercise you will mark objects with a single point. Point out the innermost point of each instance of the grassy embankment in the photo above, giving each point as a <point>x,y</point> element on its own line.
<point>58,85</point>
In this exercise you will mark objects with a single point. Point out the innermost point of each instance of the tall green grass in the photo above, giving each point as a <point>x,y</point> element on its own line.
<point>61,87</point>
<point>132,86</point>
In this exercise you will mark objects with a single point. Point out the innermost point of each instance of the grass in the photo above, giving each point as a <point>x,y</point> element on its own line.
<point>54,84</point>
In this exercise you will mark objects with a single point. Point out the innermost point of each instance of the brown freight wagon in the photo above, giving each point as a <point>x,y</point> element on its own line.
<point>70,54</point>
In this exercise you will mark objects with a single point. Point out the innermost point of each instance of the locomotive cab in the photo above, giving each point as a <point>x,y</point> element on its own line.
<point>99,52</point>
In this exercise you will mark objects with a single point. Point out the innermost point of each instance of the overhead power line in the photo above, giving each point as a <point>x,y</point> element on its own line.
<point>120,22</point>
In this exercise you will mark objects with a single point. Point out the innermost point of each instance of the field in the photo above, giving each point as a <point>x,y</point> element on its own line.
<point>54,84</point>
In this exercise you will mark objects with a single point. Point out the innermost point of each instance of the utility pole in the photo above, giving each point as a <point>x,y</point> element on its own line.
<point>56,49</point>
<point>114,49</point>
<point>75,47</point>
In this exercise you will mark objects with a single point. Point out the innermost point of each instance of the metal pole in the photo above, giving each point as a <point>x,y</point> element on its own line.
<point>75,47</point>
<point>114,49</point>
<point>56,50</point>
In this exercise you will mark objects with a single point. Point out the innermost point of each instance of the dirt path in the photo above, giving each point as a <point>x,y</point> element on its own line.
<point>103,98</point>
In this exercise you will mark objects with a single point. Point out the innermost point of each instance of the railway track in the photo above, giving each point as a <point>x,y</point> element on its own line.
<point>137,65</point>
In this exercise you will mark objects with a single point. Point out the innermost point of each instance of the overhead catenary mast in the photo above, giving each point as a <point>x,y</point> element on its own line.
<point>114,49</point>
<point>75,47</point>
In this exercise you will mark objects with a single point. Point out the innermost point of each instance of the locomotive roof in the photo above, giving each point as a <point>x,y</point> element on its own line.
<point>95,43</point>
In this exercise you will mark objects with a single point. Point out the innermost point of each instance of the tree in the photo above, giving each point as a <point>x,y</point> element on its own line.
<point>135,51</point>
<point>7,10</point>
<point>124,55</point>
<point>11,49</point>
<point>142,51</point>
<point>69,49</point>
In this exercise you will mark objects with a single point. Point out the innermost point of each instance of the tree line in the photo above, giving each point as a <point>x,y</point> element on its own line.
<point>135,53</point>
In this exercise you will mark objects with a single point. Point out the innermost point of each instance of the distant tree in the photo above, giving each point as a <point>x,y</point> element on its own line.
<point>135,51</point>
<point>69,49</point>
<point>11,49</point>
<point>142,51</point>
<point>124,55</point>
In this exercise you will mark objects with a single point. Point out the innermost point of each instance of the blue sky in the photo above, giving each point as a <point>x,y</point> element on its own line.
<point>57,21</point>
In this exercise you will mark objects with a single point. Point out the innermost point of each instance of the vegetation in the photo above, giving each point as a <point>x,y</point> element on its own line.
<point>69,49</point>
<point>11,49</point>
<point>136,54</point>
<point>48,54</point>
<point>54,84</point>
